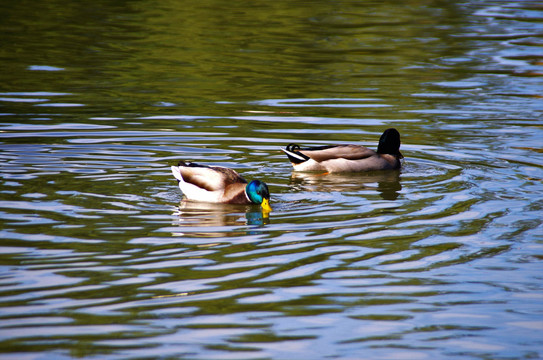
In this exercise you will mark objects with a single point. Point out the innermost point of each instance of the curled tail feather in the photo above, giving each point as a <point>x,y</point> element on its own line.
<point>294,155</point>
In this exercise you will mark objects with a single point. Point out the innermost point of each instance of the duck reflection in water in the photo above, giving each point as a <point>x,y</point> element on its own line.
<point>218,220</point>
<point>388,182</point>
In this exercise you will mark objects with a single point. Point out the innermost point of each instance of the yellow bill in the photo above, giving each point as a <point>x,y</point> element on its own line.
<point>266,205</point>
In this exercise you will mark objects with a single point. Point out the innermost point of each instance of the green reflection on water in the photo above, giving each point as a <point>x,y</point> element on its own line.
<point>95,235</point>
<point>134,57</point>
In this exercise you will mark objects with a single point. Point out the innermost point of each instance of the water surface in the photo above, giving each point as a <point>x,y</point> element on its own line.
<point>102,258</point>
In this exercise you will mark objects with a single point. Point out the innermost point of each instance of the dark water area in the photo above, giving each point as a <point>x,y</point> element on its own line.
<point>101,258</point>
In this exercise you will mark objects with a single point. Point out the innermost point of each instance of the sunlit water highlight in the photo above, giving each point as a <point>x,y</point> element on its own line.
<point>102,258</point>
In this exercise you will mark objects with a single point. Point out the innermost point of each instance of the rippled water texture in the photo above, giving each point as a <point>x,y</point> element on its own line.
<point>102,259</point>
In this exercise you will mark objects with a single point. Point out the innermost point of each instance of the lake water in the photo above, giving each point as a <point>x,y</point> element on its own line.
<point>101,258</point>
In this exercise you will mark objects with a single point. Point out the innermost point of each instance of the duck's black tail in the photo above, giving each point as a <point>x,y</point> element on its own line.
<point>190,164</point>
<point>294,154</point>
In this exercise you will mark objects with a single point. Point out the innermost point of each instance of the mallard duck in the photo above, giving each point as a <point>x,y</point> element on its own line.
<point>218,184</point>
<point>348,158</point>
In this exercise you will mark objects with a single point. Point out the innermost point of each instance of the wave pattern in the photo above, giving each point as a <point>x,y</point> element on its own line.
<point>96,245</point>
<point>101,257</point>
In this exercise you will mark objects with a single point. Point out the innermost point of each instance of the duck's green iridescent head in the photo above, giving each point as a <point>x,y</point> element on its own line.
<point>257,191</point>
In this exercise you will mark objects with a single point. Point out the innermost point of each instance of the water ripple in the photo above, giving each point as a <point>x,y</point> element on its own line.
<point>102,257</point>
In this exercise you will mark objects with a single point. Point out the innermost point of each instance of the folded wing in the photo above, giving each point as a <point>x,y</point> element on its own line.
<point>349,152</point>
<point>210,178</point>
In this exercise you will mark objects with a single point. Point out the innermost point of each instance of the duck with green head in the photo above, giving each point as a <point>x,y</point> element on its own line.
<point>218,184</point>
<point>348,158</point>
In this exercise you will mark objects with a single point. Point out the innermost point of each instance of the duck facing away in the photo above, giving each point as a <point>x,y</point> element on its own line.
<point>218,184</point>
<point>348,158</point>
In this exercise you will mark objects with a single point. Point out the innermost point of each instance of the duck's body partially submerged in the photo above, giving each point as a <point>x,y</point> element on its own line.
<point>218,184</point>
<point>348,158</point>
